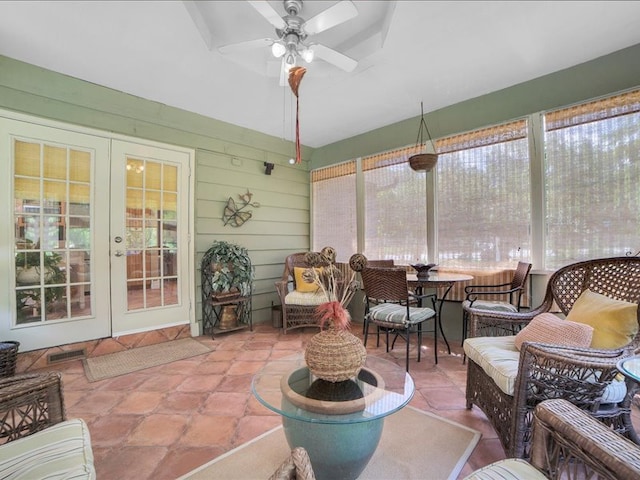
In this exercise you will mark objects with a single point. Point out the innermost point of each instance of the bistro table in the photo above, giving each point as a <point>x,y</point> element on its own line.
<point>437,280</point>
<point>339,444</point>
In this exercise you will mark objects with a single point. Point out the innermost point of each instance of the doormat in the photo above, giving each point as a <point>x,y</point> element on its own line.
<point>414,445</point>
<point>121,363</point>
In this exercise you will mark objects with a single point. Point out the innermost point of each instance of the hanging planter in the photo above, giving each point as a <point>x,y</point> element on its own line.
<point>423,161</point>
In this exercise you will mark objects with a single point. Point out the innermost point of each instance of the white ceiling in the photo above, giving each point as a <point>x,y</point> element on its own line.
<point>436,52</point>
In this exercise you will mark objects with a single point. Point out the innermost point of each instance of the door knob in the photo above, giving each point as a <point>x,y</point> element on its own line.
<point>119,253</point>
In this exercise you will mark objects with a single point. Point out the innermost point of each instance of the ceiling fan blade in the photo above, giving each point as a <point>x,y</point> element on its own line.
<point>334,57</point>
<point>268,12</point>
<point>248,45</point>
<point>332,16</point>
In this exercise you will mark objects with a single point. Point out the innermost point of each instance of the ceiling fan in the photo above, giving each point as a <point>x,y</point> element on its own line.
<point>293,32</point>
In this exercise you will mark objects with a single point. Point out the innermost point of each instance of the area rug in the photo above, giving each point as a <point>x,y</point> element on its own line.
<point>414,445</point>
<point>135,359</point>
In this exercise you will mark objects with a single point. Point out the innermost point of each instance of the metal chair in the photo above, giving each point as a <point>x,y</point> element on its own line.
<point>512,292</point>
<point>387,307</point>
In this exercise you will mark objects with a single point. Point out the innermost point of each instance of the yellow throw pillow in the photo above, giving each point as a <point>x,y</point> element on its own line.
<point>301,285</point>
<point>614,322</point>
<point>548,328</point>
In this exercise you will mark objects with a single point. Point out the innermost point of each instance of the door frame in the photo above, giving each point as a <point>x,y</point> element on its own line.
<point>7,302</point>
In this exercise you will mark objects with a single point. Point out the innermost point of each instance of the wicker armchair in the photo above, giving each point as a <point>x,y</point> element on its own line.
<point>584,376</point>
<point>298,309</point>
<point>29,403</point>
<point>36,439</point>
<point>569,443</point>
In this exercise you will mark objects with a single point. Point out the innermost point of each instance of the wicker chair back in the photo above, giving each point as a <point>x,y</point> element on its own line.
<point>385,284</point>
<point>617,278</point>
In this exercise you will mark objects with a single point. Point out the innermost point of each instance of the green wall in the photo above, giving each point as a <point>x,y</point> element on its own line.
<point>229,161</point>
<point>601,76</point>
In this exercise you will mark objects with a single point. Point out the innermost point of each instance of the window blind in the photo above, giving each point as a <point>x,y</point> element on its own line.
<point>592,174</point>
<point>334,209</point>
<point>395,208</point>
<point>483,197</point>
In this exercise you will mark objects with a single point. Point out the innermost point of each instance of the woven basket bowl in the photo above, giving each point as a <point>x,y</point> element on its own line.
<point>335,355</point>
<point>423,161</point>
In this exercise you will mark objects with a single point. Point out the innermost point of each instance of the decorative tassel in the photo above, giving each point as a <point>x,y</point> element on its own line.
<point>295,77</point>
<point>334,312</point>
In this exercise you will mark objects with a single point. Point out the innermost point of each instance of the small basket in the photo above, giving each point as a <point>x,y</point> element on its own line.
<point>8,358</point>
<point>423,161</point>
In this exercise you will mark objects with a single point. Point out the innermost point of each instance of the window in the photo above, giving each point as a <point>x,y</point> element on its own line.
<point>334,209</point>
<point>592,174</point>
<point>587,203</point>
<point>394,208</point>
<point>483,197</point>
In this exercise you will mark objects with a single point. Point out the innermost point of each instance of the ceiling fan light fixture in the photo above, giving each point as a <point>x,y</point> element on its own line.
<point>307,55</point>
<point>278,49</point>
<point>290,60</point>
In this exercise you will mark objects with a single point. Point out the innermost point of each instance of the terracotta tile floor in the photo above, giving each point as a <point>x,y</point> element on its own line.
<point>162,422</point>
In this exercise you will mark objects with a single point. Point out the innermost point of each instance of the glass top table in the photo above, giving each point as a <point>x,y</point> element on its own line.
<point>386,388</point>
<point>630,367</point>
<point>341,425</point>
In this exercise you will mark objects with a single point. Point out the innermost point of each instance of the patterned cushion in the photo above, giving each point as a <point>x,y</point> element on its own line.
<point>509,469</point>
<point>499,358</point>
<point>60,451</point>
<point>394,313</point>
<point>488,305</point>
<point>548,328</point>
<point>301,298</point>
<point>301,285</point>
<point>615,322</point>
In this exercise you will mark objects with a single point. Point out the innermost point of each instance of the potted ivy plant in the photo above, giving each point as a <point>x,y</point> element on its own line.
<point>227,270</point>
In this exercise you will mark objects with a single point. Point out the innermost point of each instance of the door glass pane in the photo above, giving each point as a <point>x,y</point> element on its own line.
<point>52,276</point>
<point>151,241</point>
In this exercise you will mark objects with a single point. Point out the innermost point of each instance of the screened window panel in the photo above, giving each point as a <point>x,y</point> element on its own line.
<point>484,206</point>
<point>394,209</point>
<point>334,210</point>
<point>592,180</point>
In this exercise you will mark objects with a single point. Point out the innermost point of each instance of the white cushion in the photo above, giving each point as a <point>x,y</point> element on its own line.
<point>394,313</point>
<point>499,358</point>
<point>62,451</point>
<point>509,469</point>
<point>305,298</point>
<point>489,305</point>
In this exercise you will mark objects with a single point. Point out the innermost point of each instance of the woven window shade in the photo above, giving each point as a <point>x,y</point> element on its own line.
<point>395,208</point>
<point>333,190</point>
<point>484,137</point>
<point>623,104</point>
<point>593,171</point>
<point>484,206</point>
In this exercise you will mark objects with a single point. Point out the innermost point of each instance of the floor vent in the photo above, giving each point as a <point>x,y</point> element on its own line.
<point>64,356</point>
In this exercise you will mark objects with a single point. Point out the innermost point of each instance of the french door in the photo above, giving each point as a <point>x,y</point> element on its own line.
<point>94,238</point>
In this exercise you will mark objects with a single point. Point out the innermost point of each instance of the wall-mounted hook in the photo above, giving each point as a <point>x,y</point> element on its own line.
<point>267,168</point>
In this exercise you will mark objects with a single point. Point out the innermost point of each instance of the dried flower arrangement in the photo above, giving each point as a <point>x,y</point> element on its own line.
<point>329,279</point>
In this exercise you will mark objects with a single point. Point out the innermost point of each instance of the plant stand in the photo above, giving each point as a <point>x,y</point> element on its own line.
<point>213,315</point>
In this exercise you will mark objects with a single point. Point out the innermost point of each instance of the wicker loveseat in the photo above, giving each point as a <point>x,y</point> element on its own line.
<point>507,384</point>
<point>36,439</point>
